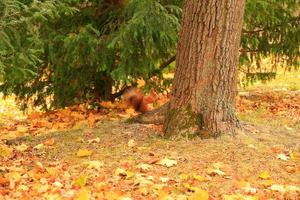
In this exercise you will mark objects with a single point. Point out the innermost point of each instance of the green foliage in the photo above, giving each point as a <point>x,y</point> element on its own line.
<point>272,29</point>
<point>104,40</point>
<point>67,51</point>
<point>21,46</point>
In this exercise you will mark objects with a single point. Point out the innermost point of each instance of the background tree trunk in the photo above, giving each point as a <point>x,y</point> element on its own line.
<point>204,87</point>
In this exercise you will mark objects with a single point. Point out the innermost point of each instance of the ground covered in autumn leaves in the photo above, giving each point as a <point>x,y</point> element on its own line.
<point>83,154</point>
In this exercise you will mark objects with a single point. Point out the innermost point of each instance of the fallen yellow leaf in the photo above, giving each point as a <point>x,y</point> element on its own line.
<point>144,190</point>
<point>190,188</point>
<point>94,164</point>
<point>107,104</point>
<point>81,180</point>
<point>83,194</point>
<point>5,151</point>
<point>267,183</point>
<point>123,172</point>
<point>239,197</point>
<point>144,167</point>
<point>52,171</point>
<point>130,111</point>
<point>264,175</point>
<point>199,195</point>
<point>199,178</point>
<point>84,153</point>
<point>39,146</point>
<point>131,143</point>
<point>279,188</point>
<point>213,172</point>
<point>294,155</point>
<point>22,147</point>
<point>184,176</point>
<point>14,176</point>
<point>167,162</point>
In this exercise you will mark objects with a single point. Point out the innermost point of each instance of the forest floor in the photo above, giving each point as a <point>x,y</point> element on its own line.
<point>78,154</point>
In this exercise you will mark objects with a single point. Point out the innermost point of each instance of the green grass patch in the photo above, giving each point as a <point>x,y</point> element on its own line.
<point>288,81</point>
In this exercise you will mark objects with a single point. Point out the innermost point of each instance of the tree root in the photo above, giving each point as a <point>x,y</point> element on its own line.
<point>155,116</point>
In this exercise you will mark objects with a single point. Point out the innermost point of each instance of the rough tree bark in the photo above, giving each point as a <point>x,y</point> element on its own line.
<point>204,87</point>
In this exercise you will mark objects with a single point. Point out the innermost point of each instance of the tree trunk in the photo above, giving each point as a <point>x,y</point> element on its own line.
<point>204,87</point>
<point>103,86</point>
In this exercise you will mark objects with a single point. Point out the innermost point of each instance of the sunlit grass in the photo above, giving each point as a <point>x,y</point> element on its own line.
<point>259,117</point>
<point>284,81</point>
<point>9,110</point>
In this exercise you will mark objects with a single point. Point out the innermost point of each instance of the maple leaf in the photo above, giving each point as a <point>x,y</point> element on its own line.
<point>264,175</point>
<point>81,180</point>
<point>49,142</point>
<point>113,195</point>
<point>92,119</point>
<point>184,176</point>
<point>94,164</point>
<point>42,123</point>
<point>51,196</point>
<point>140,83</point>
<point>39,166</point>
<point>292,188</point>
<point>107,104</point>
<point>120,172</point>
<point>84,153</point>
<point>123,172</point>
<point>77,115</point>
<point>294,155</point>
<point>52,171</point>
<point>22,129</point>
<point>143,181</point>
<point>144,190</point>
<point>5,151</point>
<point>95,140</point>
<point>34,115</point>
<point>21,148</point>
<point>14,176</point>
<point>23,187</point>
<point>83,194</point>
<point>290,169</point>
<point>199,195</point>
<point>131,143</point>
<point>190,188</point>
<point>58,184</point>
<point>130,111</point>
<point>283,157</point>
<point>39,146</point>
<point>144,167</point>
<point>199,178</point>
<point>217,165</point>
<point>239,197</point>
<point>247,187</point>
<point>164,179</point>
<point>279,188</point>
<point>167,162</point>
<point>213,172</point>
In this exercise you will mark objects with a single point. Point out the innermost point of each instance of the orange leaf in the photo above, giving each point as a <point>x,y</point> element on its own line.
<point>92,119</point>
<point>42,123</point>
<point>49,142</point>
<point>34,115</point>
<point>78,116</point>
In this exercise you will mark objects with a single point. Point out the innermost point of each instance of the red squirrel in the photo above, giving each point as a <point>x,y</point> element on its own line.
<point>136,99</point>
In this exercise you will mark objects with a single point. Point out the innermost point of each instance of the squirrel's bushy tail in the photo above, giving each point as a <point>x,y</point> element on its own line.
<point>136,99</point>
